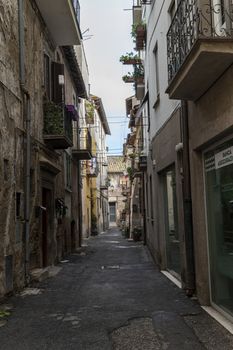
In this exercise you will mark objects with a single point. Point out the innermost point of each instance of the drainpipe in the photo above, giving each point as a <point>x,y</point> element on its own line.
<point>26,107</point>
<point>187,200</point>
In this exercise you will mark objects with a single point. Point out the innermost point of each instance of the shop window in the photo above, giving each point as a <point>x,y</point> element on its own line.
<point>218,165</point>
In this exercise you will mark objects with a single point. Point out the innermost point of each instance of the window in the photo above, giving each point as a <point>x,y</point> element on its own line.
<point>67,171</point>
<point>57,88</point>
<point>18,204</point>
<point>47,79</point>
<point>6,169</point>
<point>156,75</point>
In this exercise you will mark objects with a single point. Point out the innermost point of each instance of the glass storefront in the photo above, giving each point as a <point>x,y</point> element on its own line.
<point>172,233</point>
<point>219,201</point>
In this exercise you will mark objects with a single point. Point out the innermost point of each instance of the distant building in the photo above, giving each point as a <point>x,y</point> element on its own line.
<point>117,192</point>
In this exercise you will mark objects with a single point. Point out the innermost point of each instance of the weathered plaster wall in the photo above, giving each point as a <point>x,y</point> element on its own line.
<point>12,153</point>
<point>11,142</point>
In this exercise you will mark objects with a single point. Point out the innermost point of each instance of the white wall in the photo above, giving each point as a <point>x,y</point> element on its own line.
<point>158,21</point>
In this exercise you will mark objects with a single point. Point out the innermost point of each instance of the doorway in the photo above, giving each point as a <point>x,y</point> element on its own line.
<point>112,212</point>
<point>171,223</point>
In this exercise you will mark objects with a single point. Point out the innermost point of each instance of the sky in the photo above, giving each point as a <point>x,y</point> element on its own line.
<point>108,37</point>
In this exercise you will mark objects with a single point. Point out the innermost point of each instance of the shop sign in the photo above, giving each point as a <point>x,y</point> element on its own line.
<point>224,158</point>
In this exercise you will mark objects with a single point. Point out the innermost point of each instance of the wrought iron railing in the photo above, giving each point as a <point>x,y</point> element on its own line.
<point>196,19</point>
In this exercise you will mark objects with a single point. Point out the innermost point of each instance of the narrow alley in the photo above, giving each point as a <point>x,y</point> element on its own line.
<point>109,296</point>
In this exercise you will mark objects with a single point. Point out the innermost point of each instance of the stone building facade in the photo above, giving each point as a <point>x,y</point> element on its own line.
<point>40,82</point>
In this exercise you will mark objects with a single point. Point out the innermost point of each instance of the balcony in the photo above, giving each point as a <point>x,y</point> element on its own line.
<point>84,148</point>
<point>62,20</point>
<point>130,59</point>
<point>137,76</point>
<point>58,132</point>
<point>199,47</point>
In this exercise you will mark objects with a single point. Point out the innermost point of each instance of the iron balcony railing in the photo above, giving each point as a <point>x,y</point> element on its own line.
<point>193,20</point>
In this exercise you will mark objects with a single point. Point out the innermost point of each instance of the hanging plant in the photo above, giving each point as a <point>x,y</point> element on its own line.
<point>130,58</point>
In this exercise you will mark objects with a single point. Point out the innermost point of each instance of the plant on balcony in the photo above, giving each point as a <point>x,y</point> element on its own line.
<point>128,78</point>
<point>130,58</point>
<point>139,34</point>
<point>136,76</point>
<point>53,119</point>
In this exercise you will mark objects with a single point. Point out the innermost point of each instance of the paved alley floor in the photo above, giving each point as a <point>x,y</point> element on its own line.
<point>111,297</point>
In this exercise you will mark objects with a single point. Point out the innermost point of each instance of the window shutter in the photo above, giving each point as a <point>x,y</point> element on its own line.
<point>57,69</point>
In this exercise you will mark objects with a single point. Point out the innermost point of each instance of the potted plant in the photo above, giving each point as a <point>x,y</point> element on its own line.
<point>128,78</point>
<point>137,76</point>
<point>130,58</point>
<point>139,35</point>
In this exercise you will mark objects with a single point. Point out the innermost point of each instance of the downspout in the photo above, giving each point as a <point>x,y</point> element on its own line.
<point>187,200</point>
<point>26,107</point>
